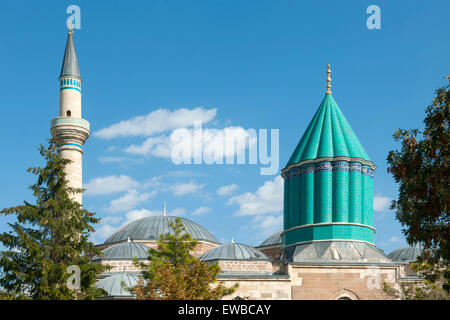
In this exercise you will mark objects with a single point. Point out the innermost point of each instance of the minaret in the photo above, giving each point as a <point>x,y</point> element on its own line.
<point>70,129</point>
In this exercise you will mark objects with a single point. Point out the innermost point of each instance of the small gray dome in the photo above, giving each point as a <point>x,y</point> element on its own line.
<point>273,240</point>
<point>113,284</point>
<point>233,251</point>
<point>124,250</point>
<point>407,253</point>
<point>149,228</point>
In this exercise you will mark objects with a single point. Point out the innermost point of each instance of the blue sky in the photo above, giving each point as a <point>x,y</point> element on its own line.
<point>241,64</point>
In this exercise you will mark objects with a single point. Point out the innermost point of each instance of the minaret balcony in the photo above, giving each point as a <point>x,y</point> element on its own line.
<point>70,129</point>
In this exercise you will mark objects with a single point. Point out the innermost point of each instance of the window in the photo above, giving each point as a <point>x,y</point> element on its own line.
<point>68,113</point>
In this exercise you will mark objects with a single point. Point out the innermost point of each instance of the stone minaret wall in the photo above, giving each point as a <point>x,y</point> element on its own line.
<point>70,129</point>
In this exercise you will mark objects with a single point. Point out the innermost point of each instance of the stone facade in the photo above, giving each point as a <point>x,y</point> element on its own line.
<point>244,266</point>
<point>272,251</point>
<point>259,288</point>
<point>324,282</point>
<point>120,265</point>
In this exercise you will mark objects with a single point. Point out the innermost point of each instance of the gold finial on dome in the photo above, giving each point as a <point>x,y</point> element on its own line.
<point>70,30</point>
<point>328,80</point>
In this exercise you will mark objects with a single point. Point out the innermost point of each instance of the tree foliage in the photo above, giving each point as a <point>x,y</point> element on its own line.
<point>422,170</point>
<point>173,274</point>
<point>47,238</point>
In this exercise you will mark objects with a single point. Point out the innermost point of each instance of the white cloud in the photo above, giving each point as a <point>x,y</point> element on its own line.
<point>109,184</point>
<point>215,145</point>
<point>267,199</point>
<point>186,188</point>
<point>201,210</point>
<point>142,213</point>
<point>227,190</point>
<point>381,203</point>
<point>157,121</point>
<point>130,200</point>
<point>268,224</point>
<point>395,239</point>
<point>104,231</point>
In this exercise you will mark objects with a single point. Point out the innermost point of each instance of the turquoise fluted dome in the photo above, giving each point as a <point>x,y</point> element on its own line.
<point>328,135</point>
<point>328,183</point>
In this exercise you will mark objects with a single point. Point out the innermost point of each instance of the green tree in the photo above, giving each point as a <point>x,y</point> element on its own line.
<point>47,238</point>
<point>422,170</point>
<point>173,274</point>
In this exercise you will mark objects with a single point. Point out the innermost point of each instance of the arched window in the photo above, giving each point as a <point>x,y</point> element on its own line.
<point>71,81</point>
<point>68,113</point>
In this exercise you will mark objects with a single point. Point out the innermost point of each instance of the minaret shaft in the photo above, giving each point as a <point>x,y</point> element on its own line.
<point>70,129</point>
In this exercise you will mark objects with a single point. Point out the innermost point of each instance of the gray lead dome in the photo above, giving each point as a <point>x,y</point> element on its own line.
<point>273,240</point>
<point>406,254</point>
<point>149,228</point>
<point>124,251</point>
<point>233,251</point>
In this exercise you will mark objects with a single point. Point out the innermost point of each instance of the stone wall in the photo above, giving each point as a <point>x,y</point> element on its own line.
<point>244,266</point>
<point>334,282</point>
<point>119,265</point>
<point>272,251</point>
<point>259,289</point>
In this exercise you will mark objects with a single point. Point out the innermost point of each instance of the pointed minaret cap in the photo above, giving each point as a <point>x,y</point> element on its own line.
<point>70,63</point>
<point>328,80</point>
<point>164,209</point>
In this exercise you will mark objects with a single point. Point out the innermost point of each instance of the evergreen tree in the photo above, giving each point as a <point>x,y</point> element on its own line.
<point>422,169</point>
<point>173,274</point>
<point>47,238</point>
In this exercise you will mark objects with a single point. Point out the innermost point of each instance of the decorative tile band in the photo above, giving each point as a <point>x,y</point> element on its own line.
<point>72,144</point>
<point>329,167</point>
<point>73,88</point>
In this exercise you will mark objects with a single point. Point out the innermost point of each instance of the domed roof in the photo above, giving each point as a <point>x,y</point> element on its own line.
<point>113,284</point>
<point>328,135</point>
<point>233,251</point>
<point>406,254</point>
<point>149,228</point>
<point>124,250</point>
<point>273,240</point>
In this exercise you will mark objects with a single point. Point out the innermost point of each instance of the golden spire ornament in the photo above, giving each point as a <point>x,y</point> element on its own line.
<point>328,80</point>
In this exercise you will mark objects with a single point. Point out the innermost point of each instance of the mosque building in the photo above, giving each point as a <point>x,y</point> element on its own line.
<point>326,249</point>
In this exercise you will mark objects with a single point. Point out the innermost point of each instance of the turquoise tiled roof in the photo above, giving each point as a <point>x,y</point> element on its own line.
<point>149,228</point>
<point>328,135</point>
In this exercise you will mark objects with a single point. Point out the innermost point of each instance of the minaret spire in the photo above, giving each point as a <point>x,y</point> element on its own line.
<point>164,208</point>
<point>328,80</point>
<point>70,63</point>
